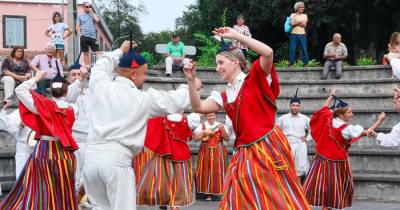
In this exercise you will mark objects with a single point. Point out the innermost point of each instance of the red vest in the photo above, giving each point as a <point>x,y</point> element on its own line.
<point>329,140</point>
<point>215,139</point>
<point>51,120</point>
<point>165,137</point>
<point>253,111</point>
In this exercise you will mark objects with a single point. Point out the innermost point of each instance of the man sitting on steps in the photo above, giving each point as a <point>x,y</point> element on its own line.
<point>175,55</point>
<point>335,53</point>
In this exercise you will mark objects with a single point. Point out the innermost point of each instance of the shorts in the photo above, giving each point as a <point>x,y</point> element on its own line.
<point>60,47</point>
<point>87,42</point>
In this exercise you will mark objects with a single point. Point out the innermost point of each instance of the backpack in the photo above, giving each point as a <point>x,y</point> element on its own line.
<point>288,27</point>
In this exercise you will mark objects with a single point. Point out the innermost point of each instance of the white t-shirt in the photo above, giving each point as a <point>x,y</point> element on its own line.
<point>57,32</point>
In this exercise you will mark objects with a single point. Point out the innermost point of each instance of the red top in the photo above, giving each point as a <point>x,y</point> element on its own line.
<point>329,140</point>
<point>215,139</point>
<point>50,120</point>
<point>253,111</point>
<point>165,137</point>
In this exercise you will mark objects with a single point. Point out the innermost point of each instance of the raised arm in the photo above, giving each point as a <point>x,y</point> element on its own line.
<point>198,106</point>
<point>104,67</point>
<point>330,97</point>
<point>75,89</point>
<point>266,53</point>
<point>23,91</point>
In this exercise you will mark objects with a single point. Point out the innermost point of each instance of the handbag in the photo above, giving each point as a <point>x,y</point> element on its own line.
<point>288,27</point>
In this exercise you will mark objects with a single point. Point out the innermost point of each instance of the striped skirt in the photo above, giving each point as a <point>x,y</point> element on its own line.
<point>139,163</point>
<point>262,176</point>
<point>329,183</point>
<point>47,180</point>
<point>211,169</point>
<point>166,183</point>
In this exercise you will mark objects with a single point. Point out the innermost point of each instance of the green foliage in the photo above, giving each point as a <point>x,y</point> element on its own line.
<point>281,52</point>
<point>285,63</point>
<point>365,61</point>
<point>251,55</point>
<point>149,58</point>
<point>208,47</point>
<point>224,16</point>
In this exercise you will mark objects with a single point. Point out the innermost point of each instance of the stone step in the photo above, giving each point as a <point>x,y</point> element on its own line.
<point>312,73</point>
<point>378,187</point>
<point>317,88</point>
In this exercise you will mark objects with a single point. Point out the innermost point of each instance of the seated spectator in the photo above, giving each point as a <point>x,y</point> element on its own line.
<point>393,56</point>
<point>175,55</point>
<point>243,29</point>
<point>58,31</point>
<point>335,53</point>
<point>47,62</point>
<point>14,70</point>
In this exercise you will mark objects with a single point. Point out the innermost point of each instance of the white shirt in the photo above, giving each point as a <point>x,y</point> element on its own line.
<point>11,123</point>
<point>391,139</point>
<point>78,93</point>
<point>229,128</point>
<point>232,90</point>
<point>119,111</point>
<point>351,131</point>
<point>294,126</point>
<point>193,119</point>
<point>213,127</point>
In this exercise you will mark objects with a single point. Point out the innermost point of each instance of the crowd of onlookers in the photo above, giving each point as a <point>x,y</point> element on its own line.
<point>15,69</point>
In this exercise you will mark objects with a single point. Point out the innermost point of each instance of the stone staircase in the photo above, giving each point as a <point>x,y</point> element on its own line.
<point>368,89</point>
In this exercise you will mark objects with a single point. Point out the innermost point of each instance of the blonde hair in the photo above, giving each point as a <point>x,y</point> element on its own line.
<point>236,54</point>
<point>297,5</point>
<point>338,111</point>
<point>394,44</point>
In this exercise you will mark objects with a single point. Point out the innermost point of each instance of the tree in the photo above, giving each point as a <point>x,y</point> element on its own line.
<point>365,27</point>
<point>121,18</point>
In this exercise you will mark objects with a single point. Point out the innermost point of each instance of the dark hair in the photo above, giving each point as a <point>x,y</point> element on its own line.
<point>338,111</point>
<point>15,50</point>
<point>59,92</point>
<point>240,17</point>
<point>54,17</point>
<point>175,35</point>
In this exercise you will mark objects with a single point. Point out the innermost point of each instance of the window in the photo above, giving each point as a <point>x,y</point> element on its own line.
<point>14,31</point>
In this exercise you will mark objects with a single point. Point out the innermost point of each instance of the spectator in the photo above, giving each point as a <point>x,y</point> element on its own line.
<point>58,31</point>
<point>87,31</point>
<point>175,55</point>
<point>298,35</point>
<point>47,62</point>
<point>393,57</point>
<point>335,53</point>
<point>15,70</point>
<point>243,29</point>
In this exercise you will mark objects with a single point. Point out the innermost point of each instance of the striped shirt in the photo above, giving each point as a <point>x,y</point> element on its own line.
<point>86,22</point>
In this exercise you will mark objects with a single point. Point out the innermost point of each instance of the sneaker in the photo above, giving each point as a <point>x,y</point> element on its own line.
<point>323,78</point>
<point>209,198</point>
<point>338,76</point>
<point>163,207</point>
<point>168,75</point>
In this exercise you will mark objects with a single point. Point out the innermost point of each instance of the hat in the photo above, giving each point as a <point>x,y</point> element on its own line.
<point>131,59</point>
<point>76,65</point>
<point>340,103</point>
<point>225,46</point>
<point>295,98</point>
<point>58,80</point>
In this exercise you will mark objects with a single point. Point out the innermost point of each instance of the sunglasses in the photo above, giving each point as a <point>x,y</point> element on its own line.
<point>88,6</point>
<point>50,66</point>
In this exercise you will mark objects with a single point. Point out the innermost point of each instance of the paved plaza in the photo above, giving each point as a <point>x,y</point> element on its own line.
<point>357,205</point>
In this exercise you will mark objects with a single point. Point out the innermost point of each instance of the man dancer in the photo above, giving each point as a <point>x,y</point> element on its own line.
<point>296,127</point>
<point>12,124</point>
<point>119,111</point>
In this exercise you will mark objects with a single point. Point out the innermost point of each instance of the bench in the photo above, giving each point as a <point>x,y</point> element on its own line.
<point>188,50</point>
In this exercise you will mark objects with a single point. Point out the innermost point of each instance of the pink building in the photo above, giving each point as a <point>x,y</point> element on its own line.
<point>24,23</point>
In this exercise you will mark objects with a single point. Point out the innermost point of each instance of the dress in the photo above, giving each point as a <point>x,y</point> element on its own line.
<point>261,174</point>
<point>47,180</point>
<point>168,177</point>
<point>329,181</point>
<point>212,163</point>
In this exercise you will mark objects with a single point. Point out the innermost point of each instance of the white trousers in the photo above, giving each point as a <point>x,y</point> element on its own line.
<point>9,86</point>
<point>169,61</point>
<point>395,63</point>
<point>21,156</point>
<point>80,158</point>
<point>109,180</point>
<point>299,150</point>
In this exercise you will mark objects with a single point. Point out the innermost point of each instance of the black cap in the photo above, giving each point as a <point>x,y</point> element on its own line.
<point>131,59</point>
<point>340,103</point>
<point>295,98</point>
<point>76,65</point>
<point>225,46</point>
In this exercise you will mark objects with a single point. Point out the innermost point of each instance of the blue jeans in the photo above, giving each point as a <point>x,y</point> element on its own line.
<point>301,39</point>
